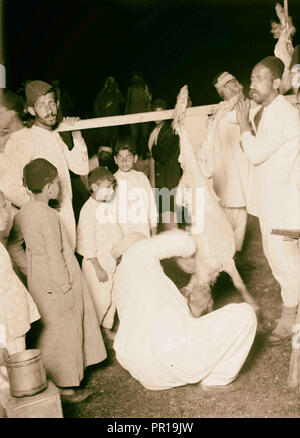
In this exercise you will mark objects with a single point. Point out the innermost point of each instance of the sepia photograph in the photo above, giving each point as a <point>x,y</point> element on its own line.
<point>149,212</point>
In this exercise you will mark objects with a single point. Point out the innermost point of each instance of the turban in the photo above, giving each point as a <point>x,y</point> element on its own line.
<point>37,173</point>
<point>274,64</point>
<point>223,79</point>
<point>35,89</point>
<point>100,174</point>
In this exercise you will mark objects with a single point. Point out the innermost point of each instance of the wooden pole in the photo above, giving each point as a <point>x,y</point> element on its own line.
<point>127,119</point>
<point>286,11</point>
<point>152,116</point>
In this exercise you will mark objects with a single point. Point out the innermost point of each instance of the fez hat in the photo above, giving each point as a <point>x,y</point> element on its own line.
<point>274,64</point>
<point>37,173</point>
<point>35,89</point>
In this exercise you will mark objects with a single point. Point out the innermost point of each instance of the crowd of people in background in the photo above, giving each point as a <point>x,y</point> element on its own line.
<point>80,270</point>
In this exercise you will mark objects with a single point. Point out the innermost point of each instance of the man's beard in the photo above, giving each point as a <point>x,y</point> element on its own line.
<point>105,160</point>
<point>47,121</point>
<point>255,95</point>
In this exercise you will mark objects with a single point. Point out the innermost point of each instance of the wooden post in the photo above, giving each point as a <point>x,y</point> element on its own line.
<point>150,116</point>
<point>127,119</point>
<point>286,11</point>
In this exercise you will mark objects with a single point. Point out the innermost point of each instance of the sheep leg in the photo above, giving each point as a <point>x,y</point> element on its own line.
<point>230,268</point>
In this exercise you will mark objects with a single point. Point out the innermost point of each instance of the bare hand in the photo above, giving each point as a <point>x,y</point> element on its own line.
<point>70,121</point>
<point>242,114</point>
<point>102,275</point>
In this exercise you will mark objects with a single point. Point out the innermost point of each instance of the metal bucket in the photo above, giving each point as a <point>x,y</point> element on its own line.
<point>26,373</point>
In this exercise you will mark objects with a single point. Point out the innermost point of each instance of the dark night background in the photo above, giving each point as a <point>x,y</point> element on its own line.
<point>171,42</point>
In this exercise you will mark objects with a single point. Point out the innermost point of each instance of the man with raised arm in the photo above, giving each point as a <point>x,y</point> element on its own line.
<point>273,149</point>
<point>42,141</point>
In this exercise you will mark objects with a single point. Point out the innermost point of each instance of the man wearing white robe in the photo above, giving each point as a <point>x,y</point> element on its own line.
<point>42,141</point>
<point>158,341</point>
<point>226,162</point>
<point>274,152</point>
<point>136,203</point>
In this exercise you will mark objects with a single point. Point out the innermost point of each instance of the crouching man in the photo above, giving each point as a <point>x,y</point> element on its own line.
<point>158,341</point>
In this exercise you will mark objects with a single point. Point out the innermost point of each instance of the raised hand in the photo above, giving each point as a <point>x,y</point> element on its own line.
<point>242,114</point>
<point>70,121</point>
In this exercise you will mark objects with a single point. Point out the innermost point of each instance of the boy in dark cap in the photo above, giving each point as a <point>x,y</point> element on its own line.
<point>274,152</point>
<point>69,337</point>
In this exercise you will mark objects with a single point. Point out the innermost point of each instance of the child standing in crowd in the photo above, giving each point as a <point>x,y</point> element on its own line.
<point>17,309</point>
<point>135,201</point>
<point>69,337</point>
<point>97,233</point>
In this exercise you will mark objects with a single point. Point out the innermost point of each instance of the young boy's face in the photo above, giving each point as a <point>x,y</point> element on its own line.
<point>54,188</point>
<point>159,122</point>
<point>125,160</point>
<point>104,190</point>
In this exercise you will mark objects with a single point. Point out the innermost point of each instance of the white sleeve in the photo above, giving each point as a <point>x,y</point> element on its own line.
<point>258,149</point>
<point>153,210</point>
<point>6,270</point>
<point>18,153</point>
<point>86,234</point>
<point>77,158</point>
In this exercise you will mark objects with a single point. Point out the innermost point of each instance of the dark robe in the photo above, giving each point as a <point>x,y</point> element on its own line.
<point>165,153</point>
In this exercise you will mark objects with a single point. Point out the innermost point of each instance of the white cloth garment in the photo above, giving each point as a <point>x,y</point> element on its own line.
<point>93,162</point>
<point>151,142</point>
<point>196,128</point>
<point>95,239</point>
<point>17,312</point>
<point>238,220</point>
<point>274,153</point>
<point>230,170</point>
<point>158,341</point>
<point>136,205</point>
<point>14,346</point>
<point>31,143</point>
<point>230,164</point>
